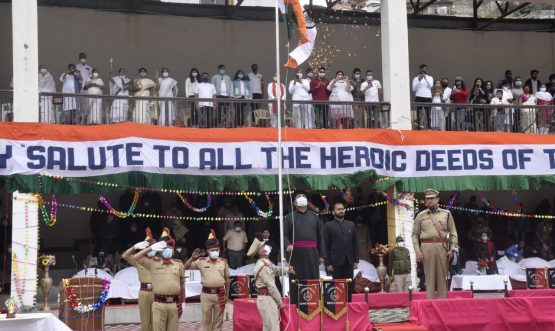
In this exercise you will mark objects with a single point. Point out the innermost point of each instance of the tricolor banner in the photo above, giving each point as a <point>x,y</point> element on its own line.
<point>309,302</point>
<point>239,287</point>
<point>335,297</point>
<point>536,278</point>
<point>246,159</point>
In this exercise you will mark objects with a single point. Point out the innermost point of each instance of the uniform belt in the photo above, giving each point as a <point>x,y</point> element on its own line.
<point>163,298</point>
<point>211,290</point>
<point>263,291</point>
<point>146,287</point>
<point>433,240</point>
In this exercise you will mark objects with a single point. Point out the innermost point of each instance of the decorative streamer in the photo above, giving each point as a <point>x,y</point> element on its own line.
<point>198,210</point>
<point>260,212</point>
<point>77,305</point>
<point>119,213</point>
<point>48,219</point>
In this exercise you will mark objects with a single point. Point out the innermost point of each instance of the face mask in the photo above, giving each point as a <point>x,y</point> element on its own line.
<point>167,253</point>
<point>505,88</point>
<point>221,71</point>
<point>339,77</point>
<point>214,254</point>
<point>369,77</point>
<point>299,75</point>
<point>240,76</point>
<point>142,74</point>
<point>43,71</point>
<point>265,239</point>
<point>83,61</point>
<point>95,74</point>
<point>444,85</point>
<point>310,75</point>
<point>165,74</point>
<point>484,238</point>
<point>194,74</point>
<point>458,84</point>
<point>518,83</point>
<point>122,74</point>
<point>275,79</point>
<point>205,79</point>
<point>151,254</point>
<point>321,74</point>
<point>401,244</point>
<point>238,228</point>
<point>267,250</point>
<point>301,202</point>
<point>542,89</point>
<point>357,76</point>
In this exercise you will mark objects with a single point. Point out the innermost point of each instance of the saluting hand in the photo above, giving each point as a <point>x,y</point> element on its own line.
<point>196,254</point>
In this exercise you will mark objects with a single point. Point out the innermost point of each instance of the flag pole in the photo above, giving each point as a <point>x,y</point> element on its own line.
<point>280,170</point>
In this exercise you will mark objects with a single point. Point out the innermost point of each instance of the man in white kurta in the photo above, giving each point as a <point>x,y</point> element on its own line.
<point>71,84</point>
<point>94,86</point>
<point>84,69</point>
<point>119,87</point>
<point>46,85</point>
<point>302,114</point>
<point>167,88</point>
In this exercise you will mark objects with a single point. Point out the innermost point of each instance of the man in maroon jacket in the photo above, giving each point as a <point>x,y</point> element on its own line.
<point>320,92</point>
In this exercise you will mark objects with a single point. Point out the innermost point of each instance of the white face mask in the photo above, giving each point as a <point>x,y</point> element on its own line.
<point>484,238</point>
<point>265,239</point>
<point>299,75</point>
<point>240,76</point>
<point>267,250</point>
<point>95,74</point>
<point>43,71</point>
<point>214,254</point>
<point>221,71</point>
<point>83,61</point>
<point>167,253</point>
<point>165,74</point>
<point>542,89</point>
<point>301,201</point>
<point>310,75</point>
<point>401,244</point>
<point>369,77</point>
<point>357,76</point>
<point>275,79</point>
<point>194,74</point>
<point>238,228</point>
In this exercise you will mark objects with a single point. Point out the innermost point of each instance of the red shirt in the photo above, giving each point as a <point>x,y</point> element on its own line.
<point>319,93</point>
<point>461,96</point>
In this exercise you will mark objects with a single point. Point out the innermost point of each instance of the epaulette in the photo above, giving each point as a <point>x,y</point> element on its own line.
<point>178,260</point>
<point>221,258</point>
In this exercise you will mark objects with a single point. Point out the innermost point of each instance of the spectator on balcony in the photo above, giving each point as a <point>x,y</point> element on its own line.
<point>84,69</point>
<point>302,114</point>
<point>372,91</point>
<point>459,95</point>
<point>224,90</point>
<point>508,78</point>
<point>545,115</point>
<point>490,93</point>
<point>205,90</point>
<point>422,88</point>
<point>341,114</point>
<point>71,84</point>
<point>191,88</point>
<point>119,87</point>
<point>517,90</point>
<point>551,85</point>
<point>478,96</point>
<point>533,82</point>
<point>94,86</point>
<point>498,114</point>
<point>527,115</point>
<point>437,112</point>
<point>144,87</point>
<point>167,88</point>
<point>358,95</point>
<point>46,85</point>
<point>272,95</point>
<point>242,91</point>
<point>256,82</point>
<point>310,107</point>
<point>508,95</point>
<point>320,93</point>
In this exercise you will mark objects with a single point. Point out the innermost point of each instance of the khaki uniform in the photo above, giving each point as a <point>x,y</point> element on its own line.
<point>167,280</point>
<point>265,272</point>
<point>434,247</point>
<point>146,297</point>
<point>214,275</point>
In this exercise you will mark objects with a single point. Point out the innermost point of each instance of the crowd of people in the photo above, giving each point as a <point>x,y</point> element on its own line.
<point>495,113</point>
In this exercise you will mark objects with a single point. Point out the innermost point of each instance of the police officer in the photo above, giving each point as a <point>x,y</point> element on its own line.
<point>434,237</point>
<point>167,283</point>
<point>399,262</point>
<point>268,300</point>
<point>146,297</point>
<point>214,273</point>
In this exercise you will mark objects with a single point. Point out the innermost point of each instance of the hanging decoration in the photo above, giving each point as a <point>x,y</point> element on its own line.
<point>118,213</point>
<point>197,210</point>
<point>347,196</point>
<point>48,219</point>
<point>260,212</point>
<point>77,305</point>
<point>452,199</point>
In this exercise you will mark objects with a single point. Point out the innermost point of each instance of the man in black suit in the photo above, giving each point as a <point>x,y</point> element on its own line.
<point>341,247</point>
<point>269,242</point>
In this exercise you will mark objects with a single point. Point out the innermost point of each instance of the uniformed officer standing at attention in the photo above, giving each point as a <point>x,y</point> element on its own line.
<point>268,300</point>
<point>215,275</point>
<point>434,237</point>
<point>167,283</point>
<point>146,297</point>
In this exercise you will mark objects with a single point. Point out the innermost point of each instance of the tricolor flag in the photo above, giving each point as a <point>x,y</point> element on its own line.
<point>307,32</point>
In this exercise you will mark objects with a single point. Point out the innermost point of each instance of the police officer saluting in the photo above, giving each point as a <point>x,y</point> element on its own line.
<point>146,297</point>
<point>215,283</point>
<point>167,283</point>
<point>434,237</point>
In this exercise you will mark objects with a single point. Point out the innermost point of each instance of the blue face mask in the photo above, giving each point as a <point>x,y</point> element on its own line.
<point>142,74</point>
<point>151,254</point>
<point>167,253</point>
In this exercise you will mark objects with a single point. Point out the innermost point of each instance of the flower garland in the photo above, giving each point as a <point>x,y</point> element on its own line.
<point>119,213</point>
<point>260,212</point>
<point>49,219</point>
<point>80,307</point>
<point>21,280</point>
<point>197,210</point>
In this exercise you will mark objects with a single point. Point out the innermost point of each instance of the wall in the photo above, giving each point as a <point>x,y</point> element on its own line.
<point>154,41</point>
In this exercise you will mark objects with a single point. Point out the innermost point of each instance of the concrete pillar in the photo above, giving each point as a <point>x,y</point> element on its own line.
<point>395,62</point>
<point>25,61</point>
